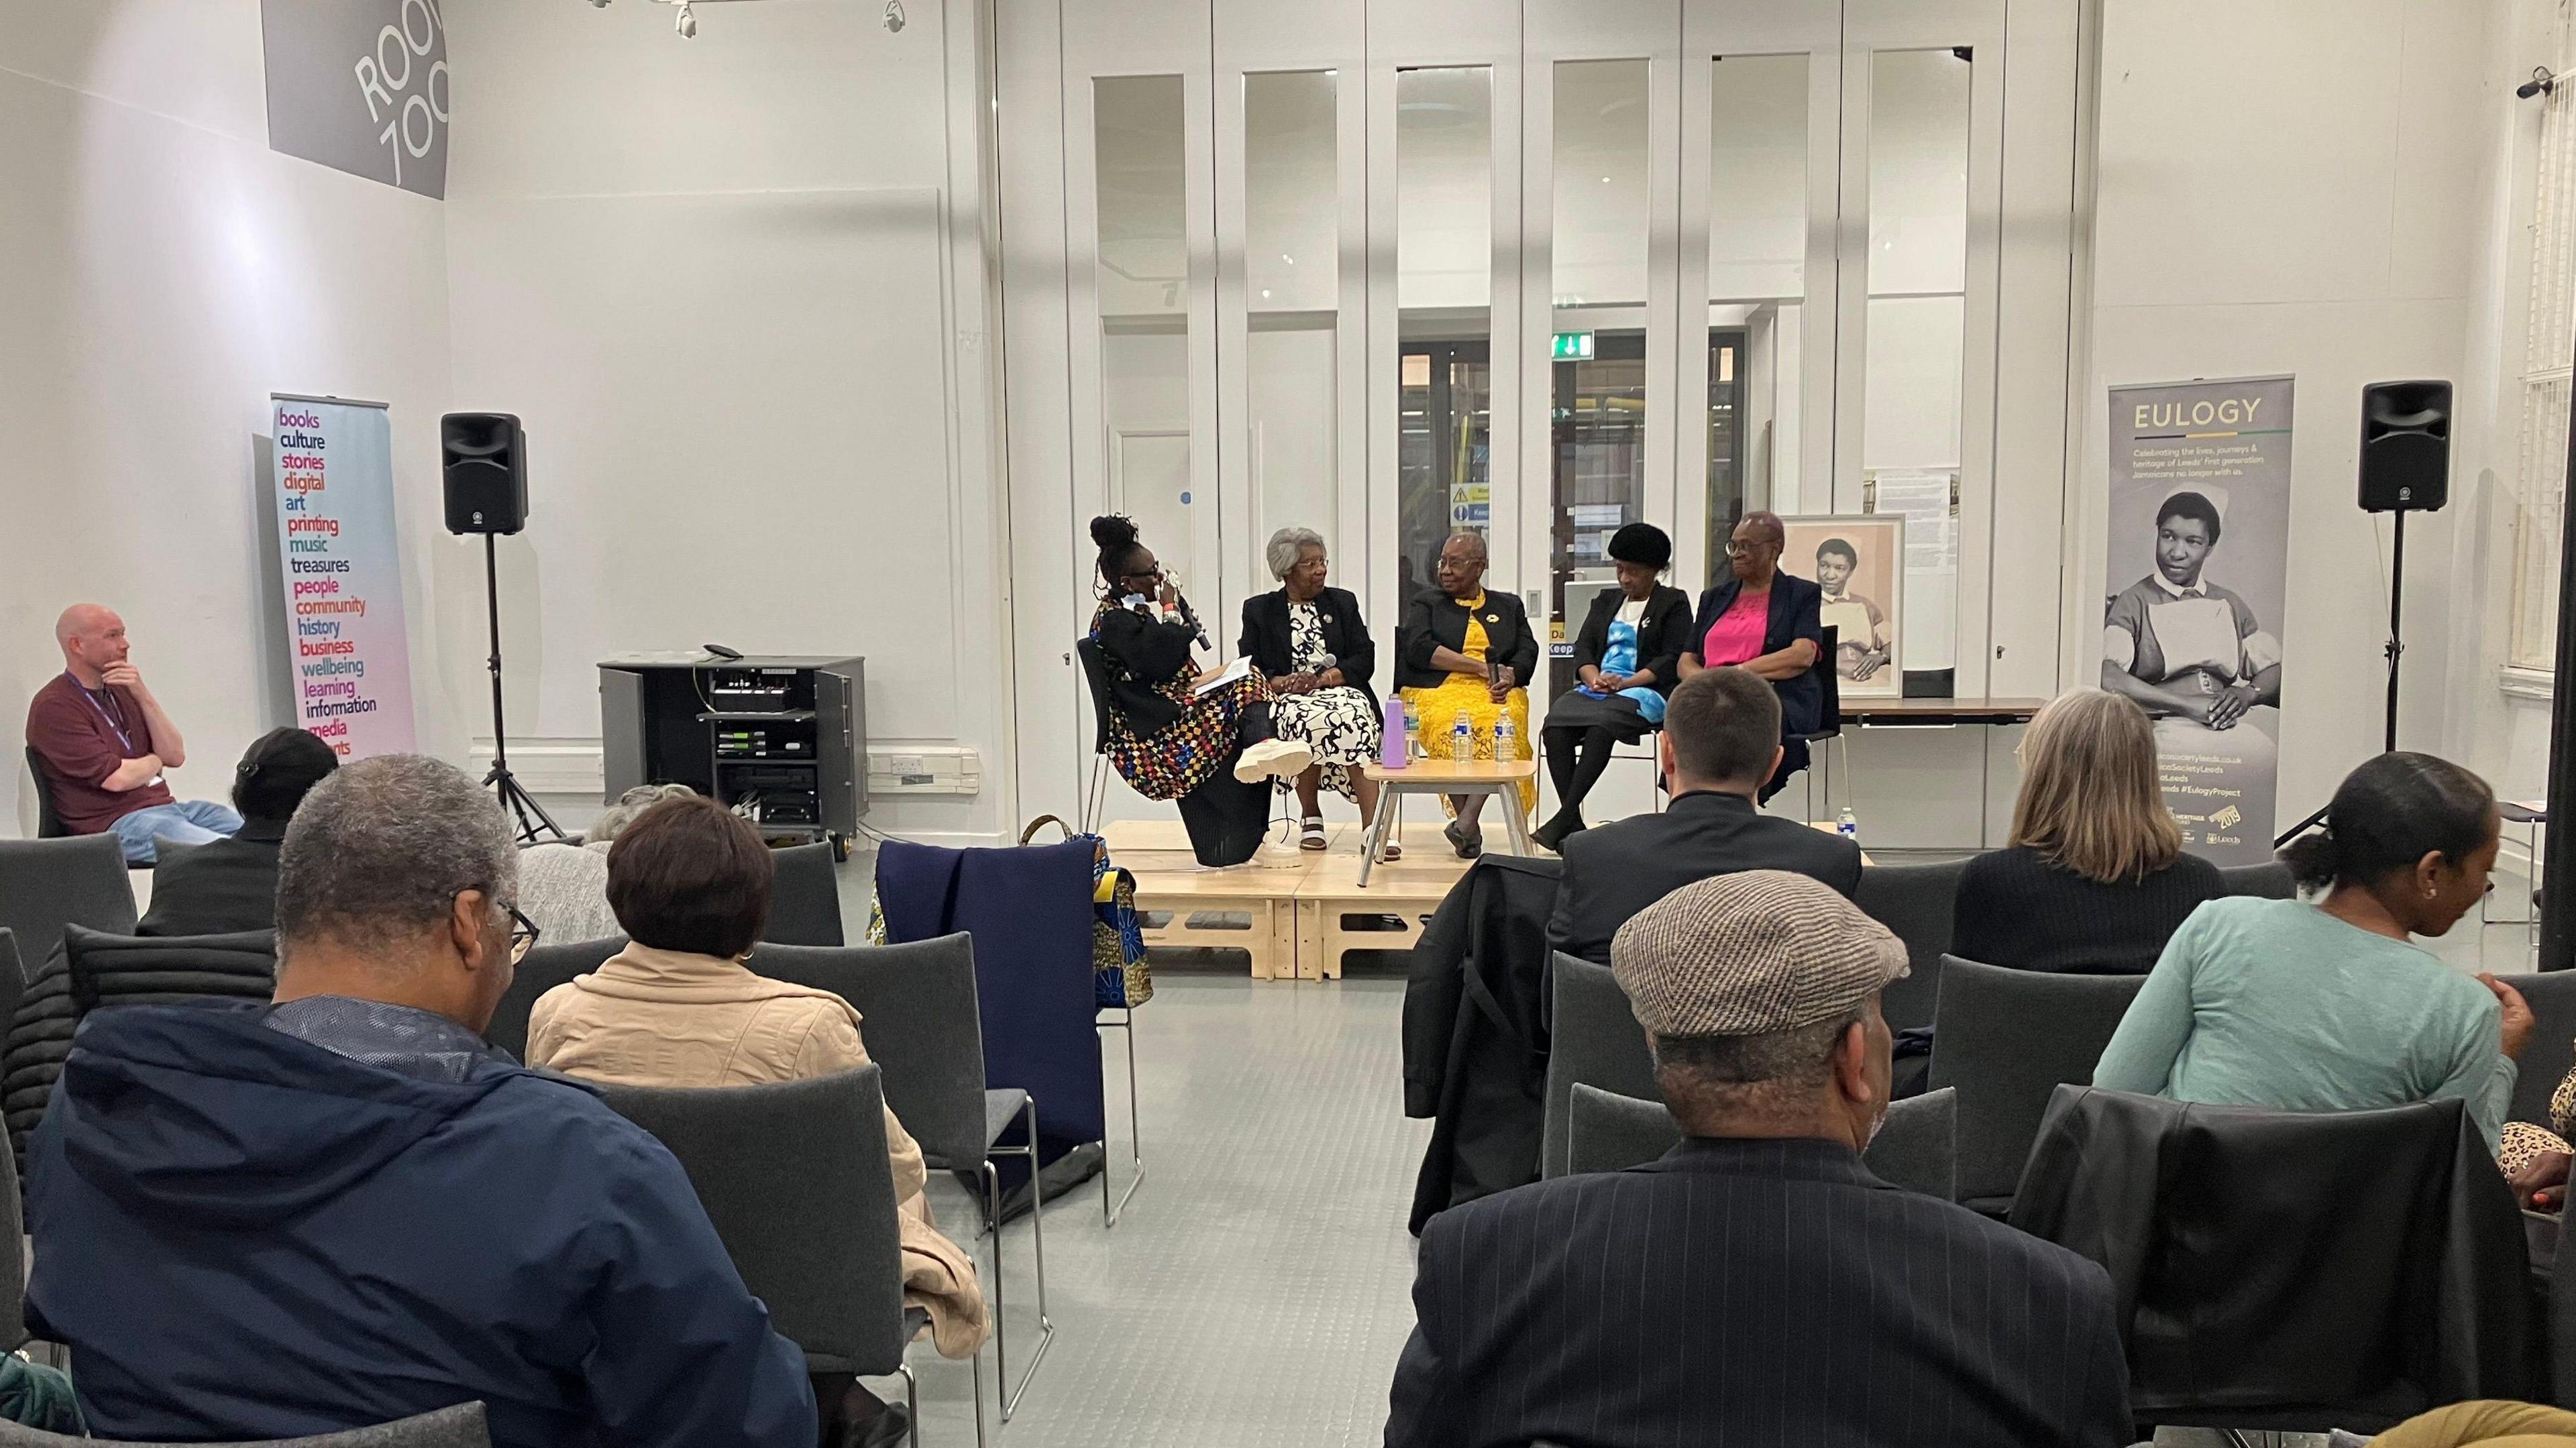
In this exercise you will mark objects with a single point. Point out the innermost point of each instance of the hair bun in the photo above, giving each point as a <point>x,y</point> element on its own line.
<point>1113,530</point>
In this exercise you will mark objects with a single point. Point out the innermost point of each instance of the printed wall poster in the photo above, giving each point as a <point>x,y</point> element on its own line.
<point>360,86</point>
<point>341,567</point>
<point>1859,560</point>
<point>2199,525</point>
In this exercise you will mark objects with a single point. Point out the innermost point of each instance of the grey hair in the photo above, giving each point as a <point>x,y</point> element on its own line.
<point>630,804</point>
<point>1755,1074</point>
<point>1284,547</point>
<point>379,851</point>
<point>1484,551</point>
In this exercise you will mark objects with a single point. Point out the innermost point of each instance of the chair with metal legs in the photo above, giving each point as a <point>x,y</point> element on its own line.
<point>1109,1211</point>
<point>919,1021</point>
<point>1829,722</point>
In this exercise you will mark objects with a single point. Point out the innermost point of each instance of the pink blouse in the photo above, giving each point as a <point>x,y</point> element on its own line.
<point>1737,634</point>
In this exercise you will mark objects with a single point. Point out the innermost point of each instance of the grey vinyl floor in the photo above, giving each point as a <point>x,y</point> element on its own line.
<point>1255,1290</point>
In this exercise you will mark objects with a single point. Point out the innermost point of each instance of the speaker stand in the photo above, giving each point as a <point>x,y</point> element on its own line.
<point>534,824</point>
<point>2395,649</point>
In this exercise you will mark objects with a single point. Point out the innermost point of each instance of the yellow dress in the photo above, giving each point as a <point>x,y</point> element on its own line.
<point>1465,694</point>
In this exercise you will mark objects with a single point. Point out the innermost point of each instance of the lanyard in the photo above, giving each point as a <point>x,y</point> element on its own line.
<point>112,721</point>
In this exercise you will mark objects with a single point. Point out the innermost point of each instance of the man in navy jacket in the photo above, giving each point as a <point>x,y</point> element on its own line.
<point>344,1208</point>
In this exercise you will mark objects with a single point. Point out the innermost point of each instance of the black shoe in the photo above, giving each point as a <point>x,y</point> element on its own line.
<point>1468,846</point>
<point>1552,836</point>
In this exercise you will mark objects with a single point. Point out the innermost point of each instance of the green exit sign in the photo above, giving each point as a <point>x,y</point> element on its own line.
<point>1571,347</point>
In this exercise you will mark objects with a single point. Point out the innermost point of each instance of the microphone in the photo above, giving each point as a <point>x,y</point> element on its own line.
<point>1189,615</point>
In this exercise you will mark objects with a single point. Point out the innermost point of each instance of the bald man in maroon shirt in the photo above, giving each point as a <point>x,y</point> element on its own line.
<point>103,742</point>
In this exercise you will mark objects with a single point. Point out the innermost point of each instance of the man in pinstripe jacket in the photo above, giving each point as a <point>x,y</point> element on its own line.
<point>1757,1287</point>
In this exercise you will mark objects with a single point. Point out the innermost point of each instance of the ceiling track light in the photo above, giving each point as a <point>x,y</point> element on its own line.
<point>686,21</point>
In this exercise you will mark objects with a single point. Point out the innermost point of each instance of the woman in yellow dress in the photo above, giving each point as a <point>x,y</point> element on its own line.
<point>1466,653</point>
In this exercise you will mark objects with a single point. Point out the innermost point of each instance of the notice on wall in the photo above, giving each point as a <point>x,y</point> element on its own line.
<point>2199,524</point>
<point>360,86</point>
<point>1928,500</point>
<point>342,571</point>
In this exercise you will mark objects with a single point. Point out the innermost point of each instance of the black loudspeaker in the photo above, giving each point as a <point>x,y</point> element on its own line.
<point>2405,447</point>
<point>483,458</point>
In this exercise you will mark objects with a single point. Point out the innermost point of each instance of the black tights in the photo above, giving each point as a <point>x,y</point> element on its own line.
<point>1575,760</point>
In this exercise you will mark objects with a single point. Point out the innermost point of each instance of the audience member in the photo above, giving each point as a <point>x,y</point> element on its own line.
<point>103,741</point>
<point>231,884</point>
<point>1627,657</point>
<point>1721,739</point>
<point>2331,1007</point>
<point>1770,622</point>
<point>1756,1284</point>
<point>344,1208</point>
<point>563,889</point>
<point>676,1007</point>
<point>2095,878</point>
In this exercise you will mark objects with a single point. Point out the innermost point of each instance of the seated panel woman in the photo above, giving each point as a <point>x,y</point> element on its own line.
<point>1166,738</point>
<point>1770,623</point>
<point>2095,879</point>
<point>2331,1006</point>
<point>1468,654</point>
<point>1628,655</point>
<point>1312,645</point>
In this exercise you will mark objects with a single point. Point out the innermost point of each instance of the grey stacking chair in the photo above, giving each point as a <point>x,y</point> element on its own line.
<point>48,884</point>
<point>2270,881</point>
<point>1918,903</point>
<point>545,967</point>
<point>2544,1063</point>
<point>2006,1039</point>
<point>461,1426</point>
<point>1594,1040</point>
<point>919,1018</point>
<point>794,1176</point>
<point>805,897</point>
<point>1913,1148</point>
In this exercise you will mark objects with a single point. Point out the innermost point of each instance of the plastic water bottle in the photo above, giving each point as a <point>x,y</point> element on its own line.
<point>1504,737</point>
<point>1413,730</point>
<point>1847,825</point>
<point>1395,745</point>
<point>1462,741</point>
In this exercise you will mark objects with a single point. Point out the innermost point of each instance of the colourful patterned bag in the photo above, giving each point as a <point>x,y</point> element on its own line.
<point>1120,978</point>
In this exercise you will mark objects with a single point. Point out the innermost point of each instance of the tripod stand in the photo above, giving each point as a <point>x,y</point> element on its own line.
<point>2395,649</point>
<point>533,821</point>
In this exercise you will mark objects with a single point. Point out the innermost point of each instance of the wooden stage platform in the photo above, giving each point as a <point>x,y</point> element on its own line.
<point>1294,911</point>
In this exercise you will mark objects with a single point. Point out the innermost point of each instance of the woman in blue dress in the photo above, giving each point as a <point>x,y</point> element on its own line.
<point>1628,656</point>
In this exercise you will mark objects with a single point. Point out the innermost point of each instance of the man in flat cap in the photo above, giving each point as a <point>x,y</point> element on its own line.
<point>1756,1287</point>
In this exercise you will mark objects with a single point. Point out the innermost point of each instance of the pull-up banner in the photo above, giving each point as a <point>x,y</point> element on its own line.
<point>342,570</point>
<point>360,86</point>
<point>2200,556</point>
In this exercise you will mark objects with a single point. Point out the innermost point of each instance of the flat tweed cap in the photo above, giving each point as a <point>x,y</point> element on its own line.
<point>1750,953</point>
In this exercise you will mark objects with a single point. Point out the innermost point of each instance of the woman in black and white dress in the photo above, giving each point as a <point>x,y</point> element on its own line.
<point>1310,642</point>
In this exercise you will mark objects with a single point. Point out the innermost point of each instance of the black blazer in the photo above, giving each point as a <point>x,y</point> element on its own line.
<point>1434,619</point>
<point>1797,612</point>
<point>1759,1294</point>
<point>1265,637</point>
<point>1141,653</point>
<point>220,887</point>
<point>1613,871</point>
<point>1663,635</point>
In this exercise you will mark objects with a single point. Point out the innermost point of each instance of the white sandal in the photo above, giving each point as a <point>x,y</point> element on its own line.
<point>1310,834</point>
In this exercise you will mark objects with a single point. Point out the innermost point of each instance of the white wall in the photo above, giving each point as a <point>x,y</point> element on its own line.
<point>733,287</point>
<point>165,272</point>
<point>2294,188</point>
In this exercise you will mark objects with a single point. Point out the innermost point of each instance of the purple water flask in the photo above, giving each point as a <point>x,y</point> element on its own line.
<point>1392,751</point>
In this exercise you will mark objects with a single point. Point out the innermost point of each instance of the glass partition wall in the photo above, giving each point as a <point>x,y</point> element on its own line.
<point>1390,269</point>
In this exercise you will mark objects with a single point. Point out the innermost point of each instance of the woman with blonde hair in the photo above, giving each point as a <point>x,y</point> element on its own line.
<point>2095,879</point>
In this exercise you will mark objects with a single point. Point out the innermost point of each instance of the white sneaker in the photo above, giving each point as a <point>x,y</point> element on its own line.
<point>1284,758</point>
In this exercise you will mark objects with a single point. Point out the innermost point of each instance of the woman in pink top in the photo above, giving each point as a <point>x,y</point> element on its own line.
<point>1770,623</point>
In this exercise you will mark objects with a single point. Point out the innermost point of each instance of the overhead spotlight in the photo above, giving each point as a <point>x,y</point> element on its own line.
<point>2541,83</point>
<point>687,24</point>
<point>598,4</point>
<point>894,17</point>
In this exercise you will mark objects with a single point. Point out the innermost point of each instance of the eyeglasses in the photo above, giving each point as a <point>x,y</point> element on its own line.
<point>523,934</point>
<point>1739,547</point>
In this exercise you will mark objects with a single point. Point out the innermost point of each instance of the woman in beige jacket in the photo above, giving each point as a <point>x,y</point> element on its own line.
<point>690,883</point>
